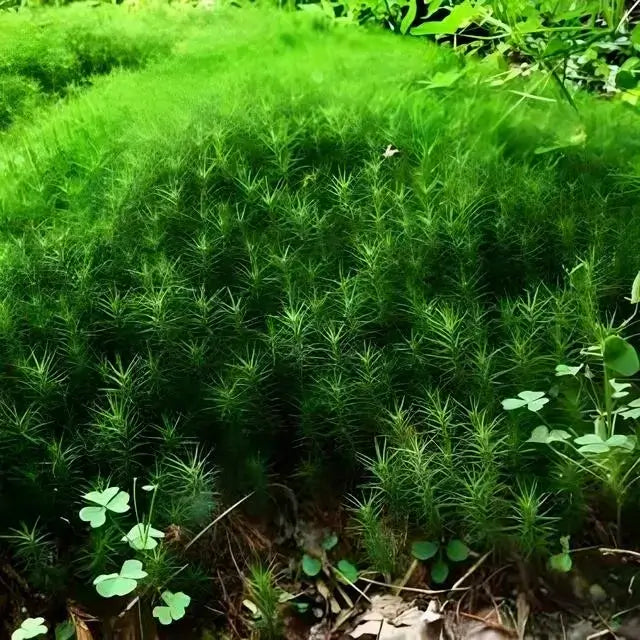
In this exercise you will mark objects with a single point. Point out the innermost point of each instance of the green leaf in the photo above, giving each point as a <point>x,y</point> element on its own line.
<point>143,536</point>
<point>512,403</point>
<point>409,17</point>
<point>310,565</point>
<point>30,628</point>
<point>133,570</point>
<point>534,401</point>
<point>619,388</point>
<point>163,614</point>
<point>95,516</point>
<point>439,571</point>
<point>635,36</point>
<point>348,572</point>
<point>459,17</point>
<point>424,550</point>
<point>594,448</point>
<point>539,435</point>
<point>457,551</point>
<point>65,630</point>
<point>589,438</point>
<point>558,435</point>
<point>635,287</point>
<point>620,356</point>
<point>634,414</point>
<point>177,604</point>
<point>622,442</point>
<point>111,499</point>
<point>561,562</point>
<point>329,542</point>
<point>566,370</point>
<point>627,76</point>
<point>122,583</point>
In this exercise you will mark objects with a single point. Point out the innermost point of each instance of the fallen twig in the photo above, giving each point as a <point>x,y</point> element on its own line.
<point>625,552</point>
<point>488,623</point>
<point>222,515</point>
<point>471,570</point>
<point>427,592</point>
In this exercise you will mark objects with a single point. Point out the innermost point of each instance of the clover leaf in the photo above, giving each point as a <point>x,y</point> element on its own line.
<point>542,435</point>
<point>30,628</point>
<point>632,410</point>
<point>310,565</point>
<point>122,583</point>
<point>439,571</point>
<point>347,572</point>
<point>619,388</point>
<point>591,443</point>
<point>533,400</point>
<point>111,499</point>
<point>175,609</point>
<point>457,551</point>
<point>142,536</point>
<point>566,370</point>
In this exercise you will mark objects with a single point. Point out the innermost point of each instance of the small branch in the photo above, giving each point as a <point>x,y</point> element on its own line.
<point>475,566</point>
<point>222,515</point>
<point>624,552</point>
<point>427,592</point>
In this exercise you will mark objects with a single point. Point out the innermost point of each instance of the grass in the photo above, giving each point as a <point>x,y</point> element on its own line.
<point>209,267</point>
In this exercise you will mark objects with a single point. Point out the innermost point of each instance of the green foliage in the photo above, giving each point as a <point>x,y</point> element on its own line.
<point>562,561</point>
<point>339,276</point>
<point>121,583</point>
<point>311,566</point>
<point>30,628</point>
<point>455,551</point>
<point>265,600</point>
<point>176,605</point>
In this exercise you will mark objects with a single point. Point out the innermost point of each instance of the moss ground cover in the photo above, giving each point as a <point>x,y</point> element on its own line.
<point>285,249</point>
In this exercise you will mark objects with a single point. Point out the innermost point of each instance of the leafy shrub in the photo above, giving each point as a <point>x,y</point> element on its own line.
<point>17,94</point>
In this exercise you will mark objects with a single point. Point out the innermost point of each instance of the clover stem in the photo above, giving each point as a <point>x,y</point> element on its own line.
<point>135,500</point>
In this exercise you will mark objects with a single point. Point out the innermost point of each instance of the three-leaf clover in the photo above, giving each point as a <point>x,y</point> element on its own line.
<point>30,628</point>
<point>175,609</point>
<point>533,400</point>
<point>143,536</point>
<point>111,499</point>
<point>122,583</point>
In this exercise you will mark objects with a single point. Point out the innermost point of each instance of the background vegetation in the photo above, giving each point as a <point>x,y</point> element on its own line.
<point>284,249</point>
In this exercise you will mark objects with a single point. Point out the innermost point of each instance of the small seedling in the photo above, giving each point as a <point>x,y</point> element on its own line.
<point>455,551</point>
<point>562,561</point>
<point>142,536</point>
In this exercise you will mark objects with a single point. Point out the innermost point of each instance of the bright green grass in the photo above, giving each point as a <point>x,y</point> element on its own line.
<point>213,250</point>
